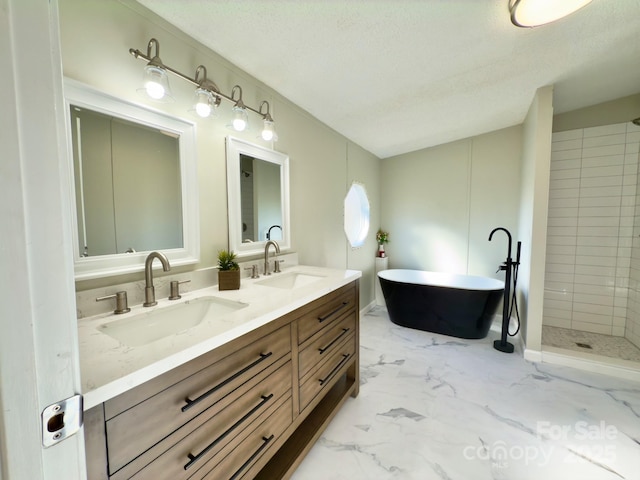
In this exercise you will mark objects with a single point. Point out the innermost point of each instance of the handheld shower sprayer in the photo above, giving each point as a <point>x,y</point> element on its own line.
<point>508,267</point>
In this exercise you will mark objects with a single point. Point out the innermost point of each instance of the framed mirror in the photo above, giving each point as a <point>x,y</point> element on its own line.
<point>258,197</point>
<point>133,174</point>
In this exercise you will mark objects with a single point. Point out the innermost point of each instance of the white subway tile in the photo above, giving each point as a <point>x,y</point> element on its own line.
<point>601,191</point>
<point>556,267</point>
<point>561,250</point>
<point>567,193</point>
<point>591,260</point>
<point>603,140</point>
<point>561,231</point>
<point>626,222</point>
<point>559,278</point>
<point>593,327</point>
<point>563,212</point>
<point>612,181</point>
<point>595,270</point>
<point>594,290</point>
<point>627,211</point>
<point>567,183</point>
<point>556,322</point>
<point>556,313</point>
<point>631,147</point>
<point>559,145</point>
<point>559,221</point>
<point>603,151</point>
<point>631,158</point>
<point>552,259</point>
<point>599,221</point>
<point>566,159</point>
<point>559,240</point>
<point>592,300</point>
<point>584,250</point>
<point>607,160</point>
<point>628,190</point>
<point>599,201</point>
<point>558,287</point>
<point>567,135</point>
<point>603,313</point>
<point>597,241</point>
<point>557,304</point>
<point>605,130</point>
<point>563,202</point>
<point>598,231</point>
<point>619,317</point>
<point>567,173</point>
<point>593,280</point>
<point>608,212</point>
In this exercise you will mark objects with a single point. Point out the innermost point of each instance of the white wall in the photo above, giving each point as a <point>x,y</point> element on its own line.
<point>96,36</point>
<point>440,204</point>
<point>532,230</point>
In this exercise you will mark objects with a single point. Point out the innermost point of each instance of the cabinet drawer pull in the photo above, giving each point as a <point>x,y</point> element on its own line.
<point>265,441</point>
<point>345,357</point>
<point>324,349</point>
<point>322,318</point>
<point>192,403</point>
<point>194,458</point>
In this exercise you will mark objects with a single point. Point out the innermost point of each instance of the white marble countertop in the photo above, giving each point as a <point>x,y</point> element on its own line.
<point>109,368</point>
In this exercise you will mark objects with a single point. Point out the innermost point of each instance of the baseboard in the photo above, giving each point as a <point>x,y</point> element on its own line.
<point>366,308</point>
<point>584,361</point>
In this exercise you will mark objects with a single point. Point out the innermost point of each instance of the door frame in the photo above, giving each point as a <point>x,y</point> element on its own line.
<point>39,362</point>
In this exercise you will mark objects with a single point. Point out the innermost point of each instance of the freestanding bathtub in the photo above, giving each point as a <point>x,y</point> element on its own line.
<point>458,305</point>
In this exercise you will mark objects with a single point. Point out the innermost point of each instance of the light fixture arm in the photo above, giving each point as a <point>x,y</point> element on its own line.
<point>266,115</point>
<point>204,83</point>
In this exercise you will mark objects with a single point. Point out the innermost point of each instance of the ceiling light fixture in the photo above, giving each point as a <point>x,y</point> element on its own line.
<point>532,13</point>
<point>207,94</point>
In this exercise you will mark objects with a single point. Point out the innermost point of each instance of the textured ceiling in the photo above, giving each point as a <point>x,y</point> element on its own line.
<point>396,76</point>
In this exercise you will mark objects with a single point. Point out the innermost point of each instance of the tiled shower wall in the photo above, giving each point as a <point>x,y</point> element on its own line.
<point>632,330</point>
<point>592,200</point>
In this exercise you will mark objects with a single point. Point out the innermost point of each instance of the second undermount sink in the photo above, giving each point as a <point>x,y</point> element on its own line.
<point>147,327</point>
<point>289,280</point>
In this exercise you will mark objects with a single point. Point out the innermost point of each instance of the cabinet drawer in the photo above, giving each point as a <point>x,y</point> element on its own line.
<point>238,462</point>
<point>324,345</point>
<point>142,426</point>
<point>326,310</point>
<point>334,366</point>
<point>184,452</point>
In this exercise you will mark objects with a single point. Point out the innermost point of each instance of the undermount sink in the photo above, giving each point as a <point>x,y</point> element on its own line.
<point>147,327</point>
<point>289,280</point>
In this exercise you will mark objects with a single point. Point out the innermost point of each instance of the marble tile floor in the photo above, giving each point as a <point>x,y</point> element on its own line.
<point>605,345</point>
<point>437,407</point>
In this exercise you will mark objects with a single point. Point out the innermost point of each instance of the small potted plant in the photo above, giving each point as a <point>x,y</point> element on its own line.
<point>229,271</point>
<point>382,237</point>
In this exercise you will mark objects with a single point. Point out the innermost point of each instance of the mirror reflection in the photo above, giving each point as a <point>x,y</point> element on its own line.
<point>260,200</point>
<point>258,190</point>
<point>133,182</point>
<point>127,184</point>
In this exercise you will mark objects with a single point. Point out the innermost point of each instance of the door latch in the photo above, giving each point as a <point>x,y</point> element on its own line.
<point>61,420</point>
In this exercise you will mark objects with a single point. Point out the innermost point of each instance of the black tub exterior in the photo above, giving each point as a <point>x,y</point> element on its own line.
<point>450,311</point>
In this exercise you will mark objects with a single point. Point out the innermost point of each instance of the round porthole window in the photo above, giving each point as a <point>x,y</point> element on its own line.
<point>356,215</point>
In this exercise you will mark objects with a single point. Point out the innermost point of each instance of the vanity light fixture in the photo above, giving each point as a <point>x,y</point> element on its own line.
<point>206,98</point>
<point>207,94</point>
<point>156,81</point>
<point>240,118</point>
<point>268,129</point>
<point>532,13</point>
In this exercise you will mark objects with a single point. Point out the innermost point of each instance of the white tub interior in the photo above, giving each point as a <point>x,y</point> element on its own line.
<point>441,279</point>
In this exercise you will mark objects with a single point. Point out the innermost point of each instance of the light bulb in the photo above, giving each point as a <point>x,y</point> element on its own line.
<point>204,103</point>
<point>268,132</point>
<point>239,119</point>
<point>156,83</point>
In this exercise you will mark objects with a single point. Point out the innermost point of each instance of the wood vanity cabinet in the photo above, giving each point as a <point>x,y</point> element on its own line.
<point>250,409</point>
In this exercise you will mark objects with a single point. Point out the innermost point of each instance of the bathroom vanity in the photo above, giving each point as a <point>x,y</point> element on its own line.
<point>244,395</point>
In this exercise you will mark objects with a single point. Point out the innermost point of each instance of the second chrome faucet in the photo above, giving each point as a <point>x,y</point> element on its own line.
<point>266,254</point>
<point>149,289</point>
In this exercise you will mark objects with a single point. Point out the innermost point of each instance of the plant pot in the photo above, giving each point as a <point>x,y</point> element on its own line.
<point>228,280</point>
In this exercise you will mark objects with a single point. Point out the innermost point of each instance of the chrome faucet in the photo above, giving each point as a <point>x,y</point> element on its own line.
<point>266,255</point>
<point>149,289</point>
